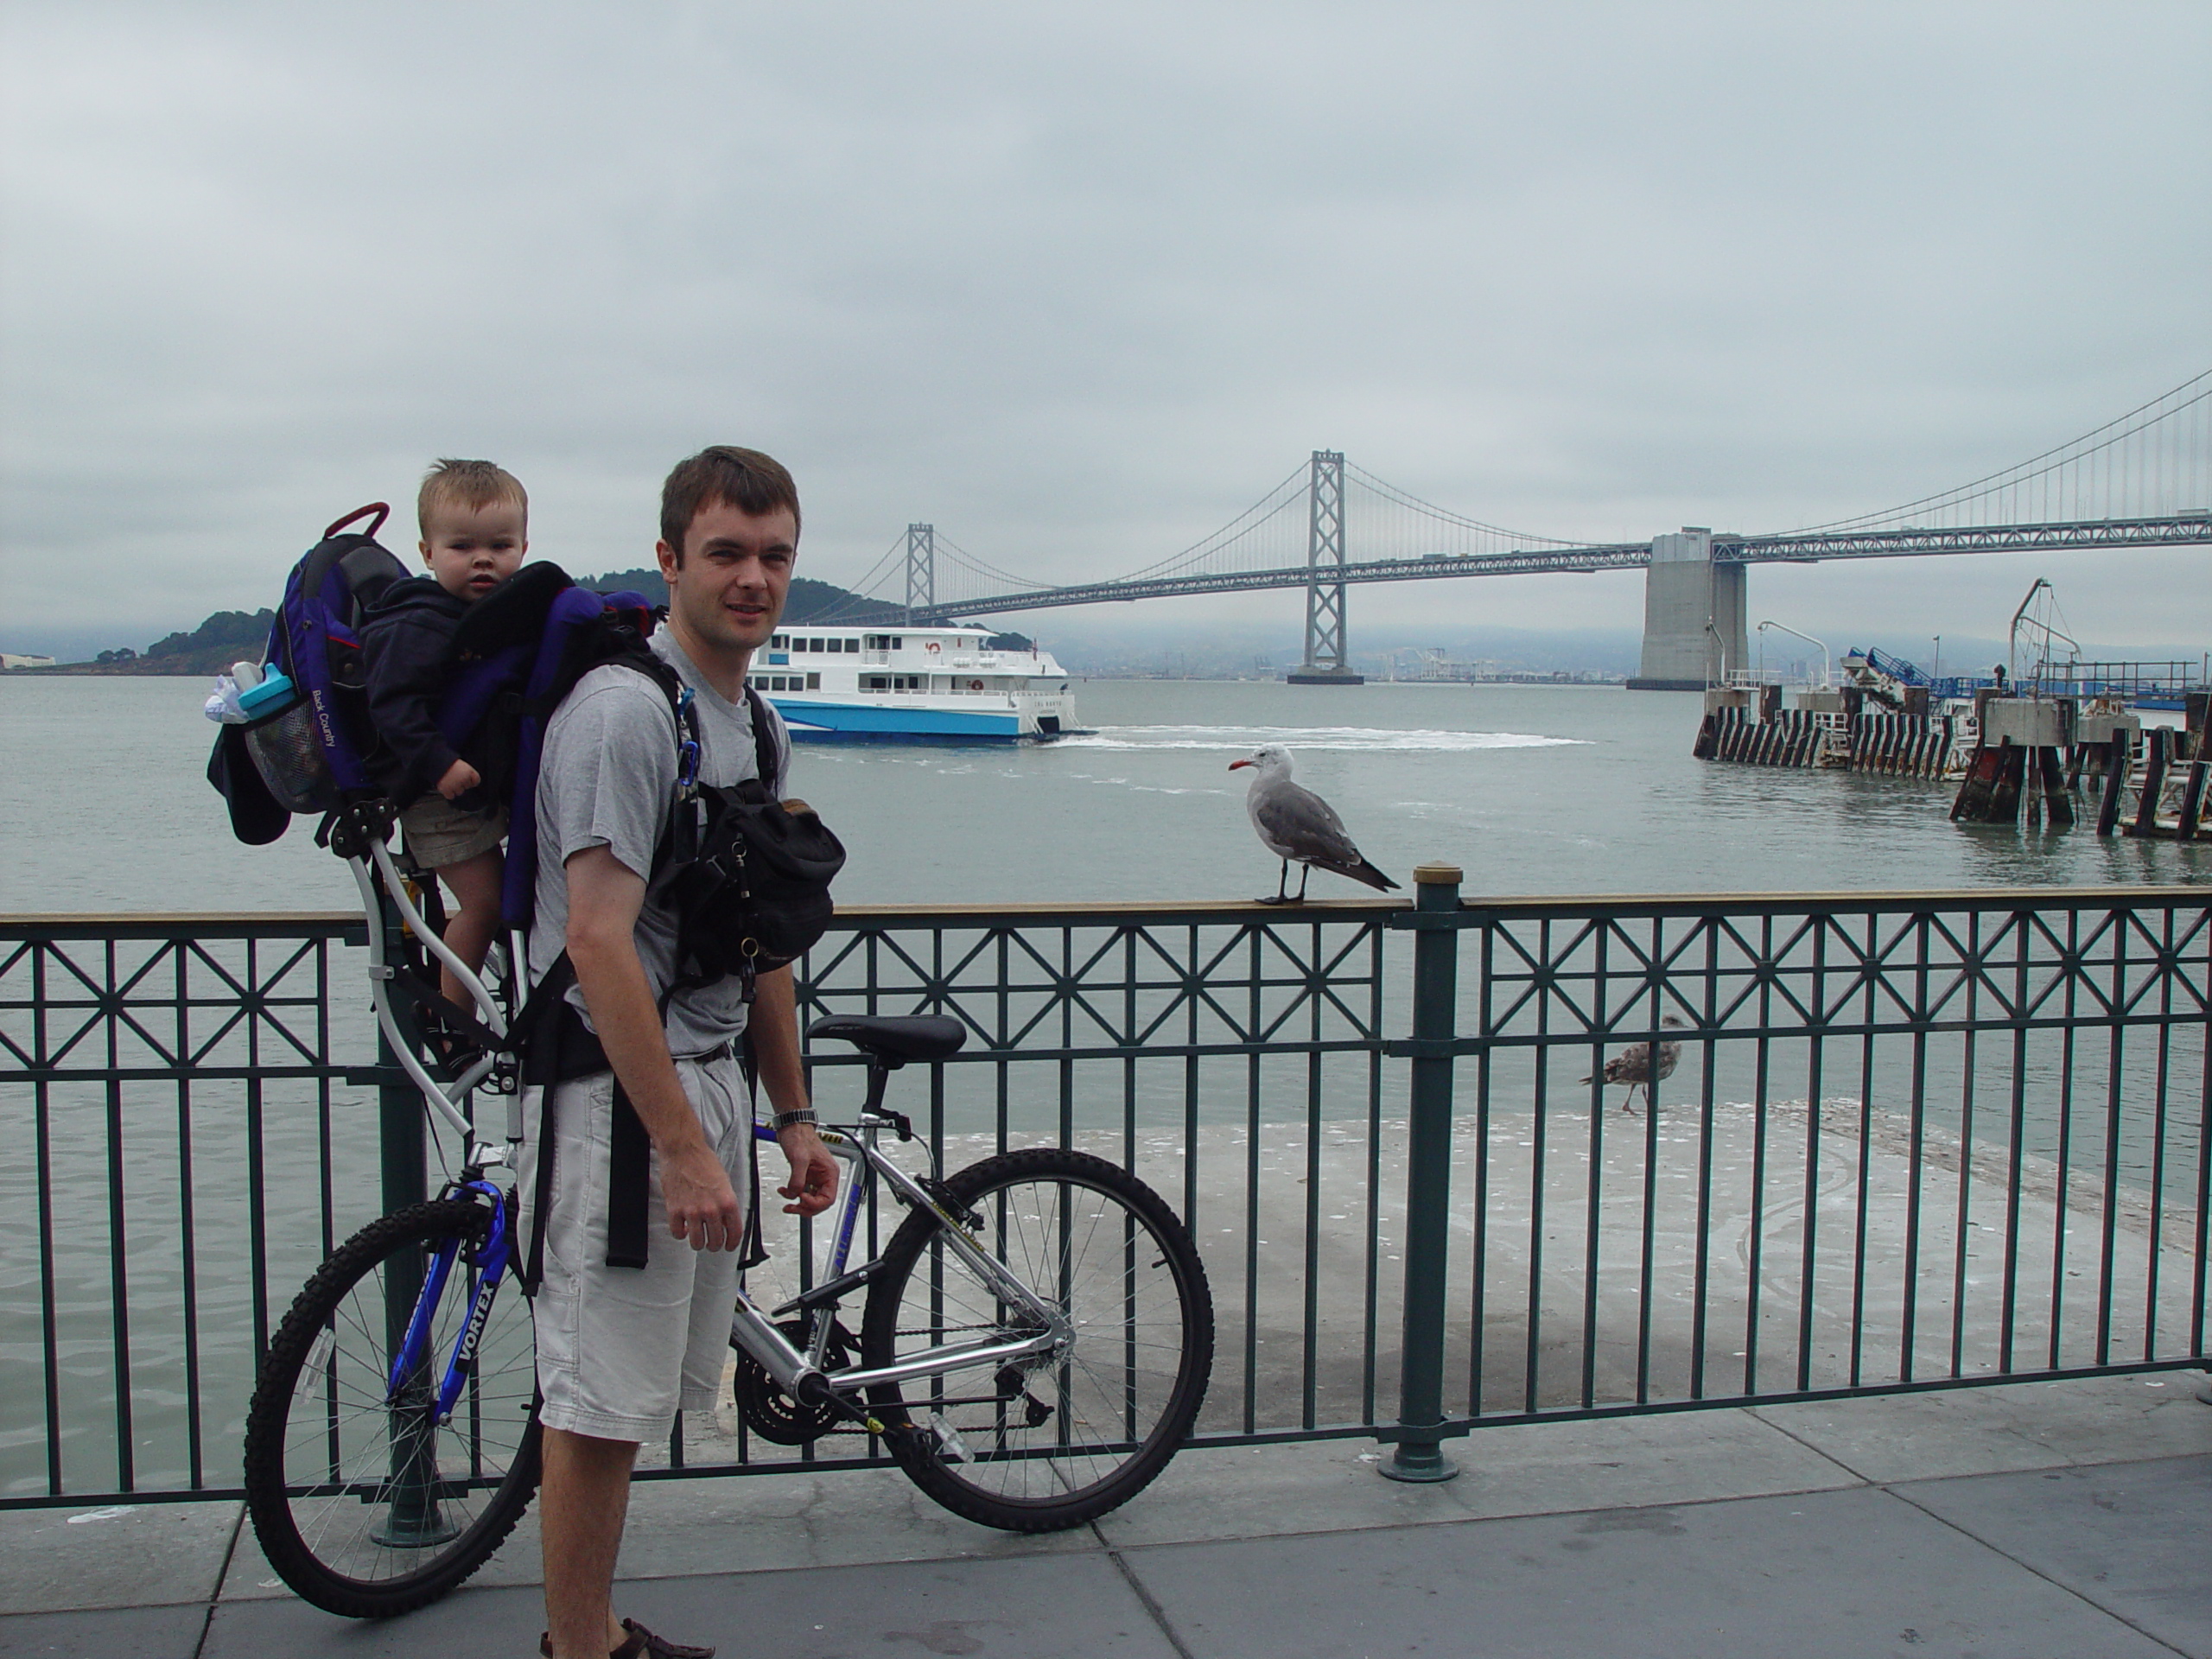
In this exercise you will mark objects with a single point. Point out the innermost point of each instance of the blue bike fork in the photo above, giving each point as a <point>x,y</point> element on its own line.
<point>415,1349</point>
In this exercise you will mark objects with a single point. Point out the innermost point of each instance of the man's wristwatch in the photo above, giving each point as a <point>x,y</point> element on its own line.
<point>792,1120</point>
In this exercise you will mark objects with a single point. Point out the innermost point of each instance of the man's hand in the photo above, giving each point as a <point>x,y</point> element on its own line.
<point>460,779</point>
<point>702,1206</point>
<point>814,1172</point>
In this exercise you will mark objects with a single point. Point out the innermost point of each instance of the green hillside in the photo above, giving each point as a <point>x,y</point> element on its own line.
<point>231,636</point>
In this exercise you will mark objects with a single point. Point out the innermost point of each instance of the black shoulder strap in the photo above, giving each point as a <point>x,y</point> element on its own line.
<point>766,755</point>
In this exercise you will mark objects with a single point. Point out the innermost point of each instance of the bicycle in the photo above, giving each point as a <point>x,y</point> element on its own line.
<point>1036,1342</point>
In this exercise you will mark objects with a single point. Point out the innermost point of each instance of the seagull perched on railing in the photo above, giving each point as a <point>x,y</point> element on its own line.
<point>1296,824</point>
<point>1633,1066</point>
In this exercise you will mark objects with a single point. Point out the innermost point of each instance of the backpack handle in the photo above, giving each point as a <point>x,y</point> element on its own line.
<point>382,509</point>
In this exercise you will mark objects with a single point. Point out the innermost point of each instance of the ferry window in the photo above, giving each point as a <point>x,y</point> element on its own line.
<point>813,683</point>
<point>814,645</point>
<point>775,642</point>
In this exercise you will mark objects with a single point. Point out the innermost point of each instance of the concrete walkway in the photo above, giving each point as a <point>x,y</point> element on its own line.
<point>2061,1519</point>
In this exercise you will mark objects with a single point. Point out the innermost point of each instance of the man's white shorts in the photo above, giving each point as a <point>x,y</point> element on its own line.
<point>620,1349</point>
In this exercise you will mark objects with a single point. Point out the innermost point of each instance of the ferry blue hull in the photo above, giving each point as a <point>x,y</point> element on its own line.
<point>808,718</point>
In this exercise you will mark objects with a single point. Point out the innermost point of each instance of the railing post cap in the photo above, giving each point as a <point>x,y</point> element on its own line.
<point>1438,875</point>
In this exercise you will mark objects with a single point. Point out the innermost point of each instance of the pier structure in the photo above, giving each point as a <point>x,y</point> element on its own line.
<point>2035,753</point>
<point>2017,765</point>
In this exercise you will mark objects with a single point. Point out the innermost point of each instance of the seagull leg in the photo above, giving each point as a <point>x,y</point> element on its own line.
<point>1305,873</point>
<point>1282,886</point>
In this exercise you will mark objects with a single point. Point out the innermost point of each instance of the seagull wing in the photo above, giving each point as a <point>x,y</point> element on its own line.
<point>1295,822</point>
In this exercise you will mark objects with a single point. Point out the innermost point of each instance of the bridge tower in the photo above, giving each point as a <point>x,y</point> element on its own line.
<point>921,569</point>
<point>1325,663</point>
<point>1692,616</point>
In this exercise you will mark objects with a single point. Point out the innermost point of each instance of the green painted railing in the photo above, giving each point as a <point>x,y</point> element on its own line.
<point>1905,1141</point>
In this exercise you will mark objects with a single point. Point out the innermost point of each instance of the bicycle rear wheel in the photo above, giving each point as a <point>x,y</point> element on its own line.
<point>364,1504</point>
<point>1059,1439</point>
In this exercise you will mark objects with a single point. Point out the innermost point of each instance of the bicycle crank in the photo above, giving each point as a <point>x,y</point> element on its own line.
<point>774,1415</point>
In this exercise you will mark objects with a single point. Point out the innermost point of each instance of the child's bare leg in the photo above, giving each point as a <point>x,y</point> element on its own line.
<point>474,884</point>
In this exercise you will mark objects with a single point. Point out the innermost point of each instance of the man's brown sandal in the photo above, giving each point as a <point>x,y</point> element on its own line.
<point>642,1644</point>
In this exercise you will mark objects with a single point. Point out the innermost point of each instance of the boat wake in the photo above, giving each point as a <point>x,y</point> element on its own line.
<point>1353,739</point>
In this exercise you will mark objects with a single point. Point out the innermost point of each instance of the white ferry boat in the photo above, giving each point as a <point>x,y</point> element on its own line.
<point>927,682</point>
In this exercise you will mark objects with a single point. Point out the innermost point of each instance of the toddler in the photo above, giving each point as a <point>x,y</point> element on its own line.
<point>474,519</point>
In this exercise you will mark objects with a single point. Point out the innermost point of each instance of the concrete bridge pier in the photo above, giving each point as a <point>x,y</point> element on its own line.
<point>1694,629</point>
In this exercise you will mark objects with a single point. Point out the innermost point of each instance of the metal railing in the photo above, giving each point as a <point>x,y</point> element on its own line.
<point>1906,1141</point>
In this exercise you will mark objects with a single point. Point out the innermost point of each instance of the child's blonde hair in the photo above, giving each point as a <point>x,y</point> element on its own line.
<point>467,484</point>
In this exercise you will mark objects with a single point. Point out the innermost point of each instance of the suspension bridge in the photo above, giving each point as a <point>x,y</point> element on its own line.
<point>2144,480</point>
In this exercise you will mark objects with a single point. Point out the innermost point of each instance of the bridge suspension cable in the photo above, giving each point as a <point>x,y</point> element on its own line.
<point>2153,461</point>
<point>2142,479</point>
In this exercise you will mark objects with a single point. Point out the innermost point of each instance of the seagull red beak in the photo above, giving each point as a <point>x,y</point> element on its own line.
<point>1235,764</point>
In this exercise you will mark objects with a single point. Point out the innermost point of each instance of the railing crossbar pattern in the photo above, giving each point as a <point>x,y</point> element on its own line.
<point>1889,1142</point>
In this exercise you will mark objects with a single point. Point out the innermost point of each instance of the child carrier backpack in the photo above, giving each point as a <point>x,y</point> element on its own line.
<point>752,874</point>
<point>309,746</point>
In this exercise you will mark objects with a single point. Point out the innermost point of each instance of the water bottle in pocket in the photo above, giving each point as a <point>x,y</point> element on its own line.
<point>280,736</point>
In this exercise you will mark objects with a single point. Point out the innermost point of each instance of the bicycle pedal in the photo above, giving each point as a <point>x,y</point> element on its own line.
<point>948,1439</point>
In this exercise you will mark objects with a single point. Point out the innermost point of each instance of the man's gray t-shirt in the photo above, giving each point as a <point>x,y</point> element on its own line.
<point>607,778</point>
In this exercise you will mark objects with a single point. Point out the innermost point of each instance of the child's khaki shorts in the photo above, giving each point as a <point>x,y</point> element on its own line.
<point>441,834</point>
<point>620,1349</point>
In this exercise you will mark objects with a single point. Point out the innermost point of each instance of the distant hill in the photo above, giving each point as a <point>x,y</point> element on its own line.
<point>225,638</point>
<point>810,601</point>
<point>231,636</point>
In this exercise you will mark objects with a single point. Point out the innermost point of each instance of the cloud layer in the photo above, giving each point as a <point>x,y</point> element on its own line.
<point>1077,284</point>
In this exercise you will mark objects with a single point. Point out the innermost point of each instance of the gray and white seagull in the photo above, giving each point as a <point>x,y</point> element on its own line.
<point>1633,1066</point>
<point>1296,824</point>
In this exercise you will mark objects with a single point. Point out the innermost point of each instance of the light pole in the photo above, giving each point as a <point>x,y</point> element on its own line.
<point>1806,637</point>
<point>1936,672</point>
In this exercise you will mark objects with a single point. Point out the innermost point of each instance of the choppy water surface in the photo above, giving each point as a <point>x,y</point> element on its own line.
<point>1529,788</point>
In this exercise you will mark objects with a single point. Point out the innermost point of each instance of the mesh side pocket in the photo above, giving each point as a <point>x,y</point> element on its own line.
<point>290,758</point>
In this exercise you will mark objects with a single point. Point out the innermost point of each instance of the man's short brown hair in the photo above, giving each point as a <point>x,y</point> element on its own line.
<point>744,479</point>
<point>469,484</point>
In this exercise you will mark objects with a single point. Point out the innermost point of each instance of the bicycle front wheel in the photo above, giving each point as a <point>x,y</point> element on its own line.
<point>1059,1437</point>
<point>363,1502</point>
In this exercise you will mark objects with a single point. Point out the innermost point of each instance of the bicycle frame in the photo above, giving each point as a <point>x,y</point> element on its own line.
<point>492,1268</point>
<point>800,1375</point>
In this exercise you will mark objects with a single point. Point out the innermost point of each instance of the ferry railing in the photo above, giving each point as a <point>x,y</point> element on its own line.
<point>1907,1141</point>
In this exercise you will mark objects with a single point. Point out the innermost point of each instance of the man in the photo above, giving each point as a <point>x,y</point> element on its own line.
<point>620,1348</point>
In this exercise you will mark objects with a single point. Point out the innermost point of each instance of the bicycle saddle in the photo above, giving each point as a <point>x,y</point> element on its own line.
<point>895,1039</point>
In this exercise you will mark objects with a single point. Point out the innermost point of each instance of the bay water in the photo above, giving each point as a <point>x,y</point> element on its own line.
<point>1529,788</point>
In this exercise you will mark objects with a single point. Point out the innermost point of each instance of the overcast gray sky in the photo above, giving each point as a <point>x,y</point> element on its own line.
<point>1078,283</point>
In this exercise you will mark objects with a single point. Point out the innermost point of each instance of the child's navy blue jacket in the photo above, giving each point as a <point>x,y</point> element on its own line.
<point>407,638</point>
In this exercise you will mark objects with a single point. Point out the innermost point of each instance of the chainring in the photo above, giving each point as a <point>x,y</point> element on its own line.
<point>773,1415</point>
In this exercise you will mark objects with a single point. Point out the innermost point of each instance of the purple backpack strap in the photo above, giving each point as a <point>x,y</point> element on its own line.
<point>572,644</point>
